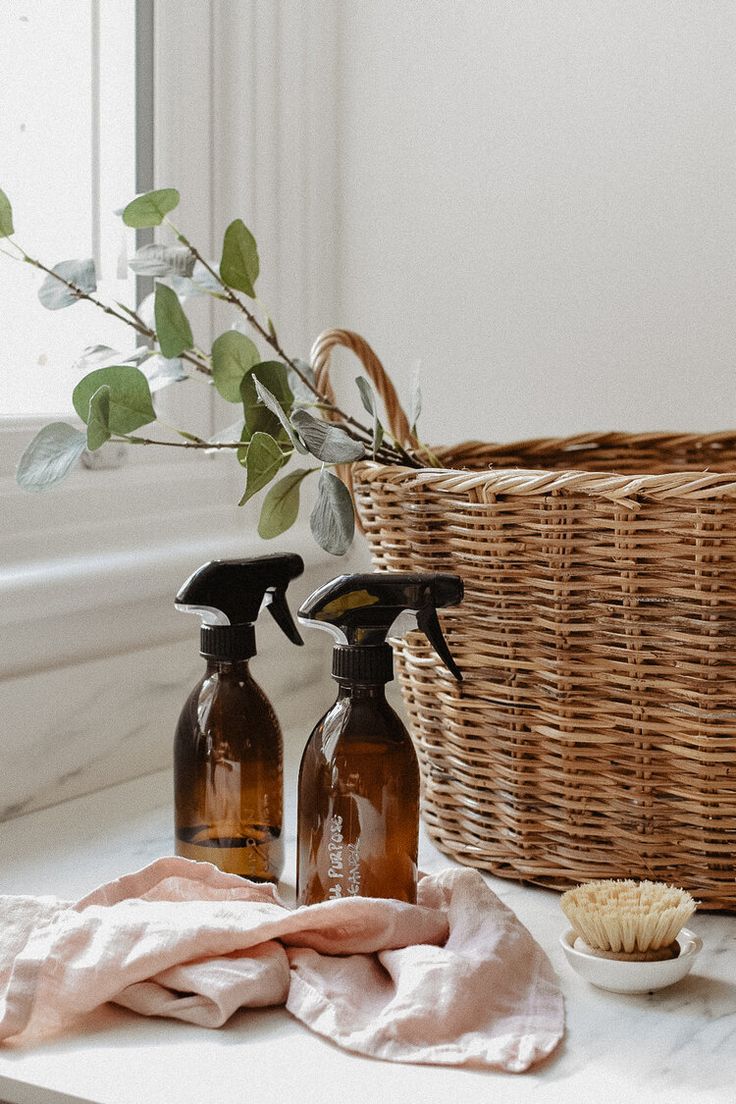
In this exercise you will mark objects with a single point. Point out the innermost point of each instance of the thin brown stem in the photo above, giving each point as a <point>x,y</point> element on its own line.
<point>133,439</point>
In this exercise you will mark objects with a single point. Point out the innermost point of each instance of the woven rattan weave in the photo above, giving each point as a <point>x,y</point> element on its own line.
<point>594,734</point>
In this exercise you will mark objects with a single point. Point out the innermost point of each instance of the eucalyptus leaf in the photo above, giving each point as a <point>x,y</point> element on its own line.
<point>273,375</point>
<point>281,505</point>
<point>233,355</point>
<point>146,311</point>
<point>415,403</point>
<point>229,433</point>
<point>172,325</point>
<point>161,371</point>
<point>263,461</point>
<point>99,356</point>
<point>130,397</point>
<point>50,456</point>
<point>200,282</point>
<point>150,208</point>
<point>327,442</point>
<point>368,399</point>
<point>271,403</point>
<point>157,259</point>
<point>94,356</point>
<point>98,418</point>
<point>239,266</point>
<point>6,216</point>
<point>54,294</point>
<point>332,520</point>
<point>302,392</point>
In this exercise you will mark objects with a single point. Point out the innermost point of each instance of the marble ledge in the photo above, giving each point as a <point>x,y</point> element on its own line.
<point>677,1046</point>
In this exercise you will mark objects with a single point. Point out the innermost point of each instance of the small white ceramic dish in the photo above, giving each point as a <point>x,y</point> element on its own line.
<point>630,977</point>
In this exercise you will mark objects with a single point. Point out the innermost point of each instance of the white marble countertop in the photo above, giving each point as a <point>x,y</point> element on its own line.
<point>677,1046</point>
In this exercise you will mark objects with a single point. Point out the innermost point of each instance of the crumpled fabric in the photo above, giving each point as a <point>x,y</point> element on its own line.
<point>454,980</point>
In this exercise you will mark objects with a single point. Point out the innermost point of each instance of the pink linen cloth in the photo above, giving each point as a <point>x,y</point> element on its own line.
<point>453,980</point>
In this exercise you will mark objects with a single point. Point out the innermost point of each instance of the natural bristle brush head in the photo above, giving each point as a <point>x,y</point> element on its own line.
<point>637,921</point>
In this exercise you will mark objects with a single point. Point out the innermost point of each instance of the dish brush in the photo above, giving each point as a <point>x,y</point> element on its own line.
<point>634,921</point>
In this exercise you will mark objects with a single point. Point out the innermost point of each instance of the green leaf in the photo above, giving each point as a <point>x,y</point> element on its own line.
<point>157,259</point>
<point>50,456</point>
<point>327,442</point>
<point>233,355</point>
<point>130,397</point>
<point>239,266</point>
<point>98,418</point>
<point>368,399</point>
<point>332,520</point>
<point>281,505</point>
<point>150,208</point>
<point>370,404</point>
<point>6,217</point>
<point>273,375</point>
<point>263,461</point>
<point>271,403</point>
<point>172,325</point>
<point>54,294</point>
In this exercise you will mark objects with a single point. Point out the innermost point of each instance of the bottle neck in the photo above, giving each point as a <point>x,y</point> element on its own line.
<point>234,668</point>
<point>357,691</point>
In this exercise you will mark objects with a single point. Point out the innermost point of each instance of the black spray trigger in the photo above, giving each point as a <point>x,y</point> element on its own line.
<point>429,623</point>
<point>279,610</point>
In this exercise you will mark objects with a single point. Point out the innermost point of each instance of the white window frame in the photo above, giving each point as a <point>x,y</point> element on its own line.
<point>83,544</point>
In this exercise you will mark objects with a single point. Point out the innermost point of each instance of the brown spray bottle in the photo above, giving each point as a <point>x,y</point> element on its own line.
<point>228,751</point>
<point>358,818</point>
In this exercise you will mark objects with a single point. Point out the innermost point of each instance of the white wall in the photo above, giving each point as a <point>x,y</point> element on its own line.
<point>538,199</point>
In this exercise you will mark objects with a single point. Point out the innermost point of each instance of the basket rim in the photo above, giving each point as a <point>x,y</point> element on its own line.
<point>624,489</point>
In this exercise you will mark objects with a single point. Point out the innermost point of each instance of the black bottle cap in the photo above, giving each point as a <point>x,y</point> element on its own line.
<point>369,665</point>
<point>229,594</point>
<point>360,610</point>
<point>227,642</point>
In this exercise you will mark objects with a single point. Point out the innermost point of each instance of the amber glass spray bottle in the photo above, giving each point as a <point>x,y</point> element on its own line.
<point>228,756</point>
<point>358,819</point>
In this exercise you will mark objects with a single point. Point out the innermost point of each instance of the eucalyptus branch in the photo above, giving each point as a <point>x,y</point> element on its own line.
<point>269,336</point>
<point>361,433</point>
<point>80,293</point>
<point>115,401</point>
<point>133,319</point>
<point>133,439</point>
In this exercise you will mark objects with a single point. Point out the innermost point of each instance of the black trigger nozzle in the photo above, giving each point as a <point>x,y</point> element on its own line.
<point>279,610</point>
<point>429,623</point>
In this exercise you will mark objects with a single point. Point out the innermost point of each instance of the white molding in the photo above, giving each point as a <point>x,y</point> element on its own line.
<point>275,130</point>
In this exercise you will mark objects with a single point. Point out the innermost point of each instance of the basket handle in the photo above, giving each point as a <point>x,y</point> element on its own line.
<point>398,423</point>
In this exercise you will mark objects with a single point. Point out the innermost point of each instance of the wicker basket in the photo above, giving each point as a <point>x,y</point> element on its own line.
<point>594,734</point>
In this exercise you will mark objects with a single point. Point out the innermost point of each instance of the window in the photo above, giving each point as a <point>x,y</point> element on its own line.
<point>217,118</point>
<point>68,132</point>
<point>83,80</point>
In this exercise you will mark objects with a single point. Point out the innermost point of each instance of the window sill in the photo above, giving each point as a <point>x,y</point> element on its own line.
<point>87,568</point>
